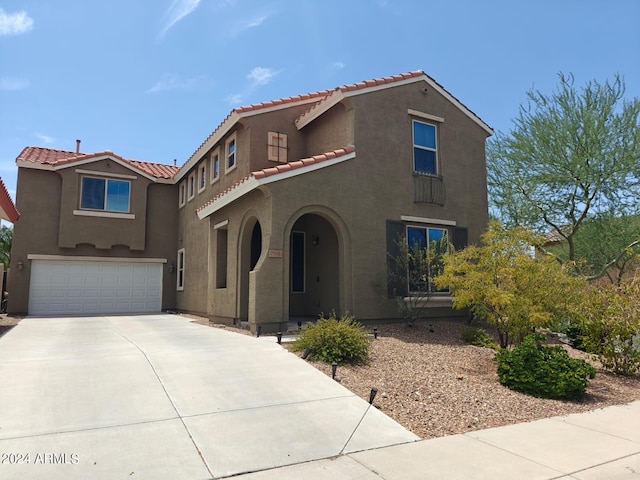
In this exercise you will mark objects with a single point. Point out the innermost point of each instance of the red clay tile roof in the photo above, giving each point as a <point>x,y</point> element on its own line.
<point>6,204</point>
<point>282,168</point>
<point>50,156</point>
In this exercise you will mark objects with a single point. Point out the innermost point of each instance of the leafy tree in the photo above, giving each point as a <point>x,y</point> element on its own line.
<point>502,282</point>
<point>571,156</point>
<point>602,245</point>
<point>6,237</point>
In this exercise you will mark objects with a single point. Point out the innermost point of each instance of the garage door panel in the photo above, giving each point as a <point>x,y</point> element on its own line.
<point>78,287</point>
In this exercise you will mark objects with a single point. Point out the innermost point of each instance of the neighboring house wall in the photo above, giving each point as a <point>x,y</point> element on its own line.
<point>48,226</point>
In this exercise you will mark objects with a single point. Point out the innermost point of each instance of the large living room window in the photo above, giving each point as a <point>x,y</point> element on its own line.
<point>106,194</point>
<point>425,159</point>
<point>426,246</point>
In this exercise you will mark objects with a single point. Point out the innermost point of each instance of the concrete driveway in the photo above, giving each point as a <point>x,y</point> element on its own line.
<point>157,396</point>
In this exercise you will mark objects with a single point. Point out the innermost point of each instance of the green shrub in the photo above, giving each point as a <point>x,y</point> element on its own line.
<point>543,371</point>
<point>334,340</point>
<point>479,337</point>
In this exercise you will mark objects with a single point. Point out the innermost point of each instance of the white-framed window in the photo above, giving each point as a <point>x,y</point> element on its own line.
<point>215,165</point>
<point>182,194</point>
<point>105,194</point>
<point>426,247</point>
<point>180,270</point>
<point>202,177</point>
<point>277,147</point>
<point>191,186</point>
<point>231,153</point>
<point>425,150</point>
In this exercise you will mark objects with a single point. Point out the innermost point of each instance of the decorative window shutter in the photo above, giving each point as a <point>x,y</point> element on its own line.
<point>396,277</point>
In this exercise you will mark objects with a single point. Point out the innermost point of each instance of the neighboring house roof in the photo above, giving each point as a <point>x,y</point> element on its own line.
<point>49,158</point>
<point>8,210</point>
<point>274,174</point>
<point>320,102</point>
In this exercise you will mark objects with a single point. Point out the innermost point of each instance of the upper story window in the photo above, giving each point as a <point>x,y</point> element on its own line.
<point>215,165</point>
<point>107,194</point>
<point>182,194</point>
<point>191,186</point>
<point>277,147</point>
<point>202,177</point>
<point>231,152</point>
<point>425,158</point>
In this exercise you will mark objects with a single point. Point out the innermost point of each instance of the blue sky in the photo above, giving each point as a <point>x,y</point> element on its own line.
<point>150,80</point>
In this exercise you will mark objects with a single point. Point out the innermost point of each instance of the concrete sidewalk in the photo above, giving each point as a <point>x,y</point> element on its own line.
<point>159,397</point>
<point>599,445</point>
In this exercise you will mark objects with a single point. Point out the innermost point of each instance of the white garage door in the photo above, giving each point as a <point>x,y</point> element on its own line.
<point>84,287</point>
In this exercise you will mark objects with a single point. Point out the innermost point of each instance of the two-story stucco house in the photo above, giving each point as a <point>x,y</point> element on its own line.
<point>288,209</point>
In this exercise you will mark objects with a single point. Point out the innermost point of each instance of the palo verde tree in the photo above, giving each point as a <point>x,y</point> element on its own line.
<point>502,282</point>
<point>571,156</point>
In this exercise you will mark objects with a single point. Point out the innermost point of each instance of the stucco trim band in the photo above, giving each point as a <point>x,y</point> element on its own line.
<point>72,258</point>
<point>433,221</point>
<point>86,213</point>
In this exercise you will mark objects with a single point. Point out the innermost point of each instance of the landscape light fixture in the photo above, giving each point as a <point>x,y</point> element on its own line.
<point>279,335</point>
<point>334,367</point>
<point>372,395</point>
<point>258,330</point>
<point>375,333</point>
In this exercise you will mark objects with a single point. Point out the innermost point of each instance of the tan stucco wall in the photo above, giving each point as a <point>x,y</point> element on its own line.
<point>355,198</point>
<point>46,205</point>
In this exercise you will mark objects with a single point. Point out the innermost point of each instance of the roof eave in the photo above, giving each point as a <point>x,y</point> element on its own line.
<point>76,163</point>
<point>226,126</point>
<point>252,183</point>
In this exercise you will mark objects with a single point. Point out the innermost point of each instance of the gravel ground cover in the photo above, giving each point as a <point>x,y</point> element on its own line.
<point>435,385</point>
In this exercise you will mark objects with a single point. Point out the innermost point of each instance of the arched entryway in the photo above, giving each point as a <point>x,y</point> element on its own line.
<point>314,268</point>
<point>250,253</point>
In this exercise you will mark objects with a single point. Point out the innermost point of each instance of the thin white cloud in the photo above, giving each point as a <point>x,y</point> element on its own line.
<point>172,81</point>
<point>15,23</point>
<point>261,75</point>
<point>177,11</point>
<point>46,139</point>
<point>256,22</point>
<point>12,84</point>
<point>337,66</point>
<point>239,26</point>
<point>257,77</point>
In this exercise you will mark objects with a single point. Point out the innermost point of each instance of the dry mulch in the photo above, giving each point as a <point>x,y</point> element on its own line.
<point>435,385</point>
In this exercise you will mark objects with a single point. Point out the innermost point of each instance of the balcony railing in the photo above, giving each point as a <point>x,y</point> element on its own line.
<point>428,188</point>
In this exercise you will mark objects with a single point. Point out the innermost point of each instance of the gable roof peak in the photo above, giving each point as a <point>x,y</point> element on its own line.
<point>54,159</point>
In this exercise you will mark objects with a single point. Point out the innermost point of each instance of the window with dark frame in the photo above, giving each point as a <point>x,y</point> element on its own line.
<point>426,247</point>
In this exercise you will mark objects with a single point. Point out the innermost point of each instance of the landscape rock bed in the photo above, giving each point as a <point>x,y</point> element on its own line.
<point>435,385</point>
